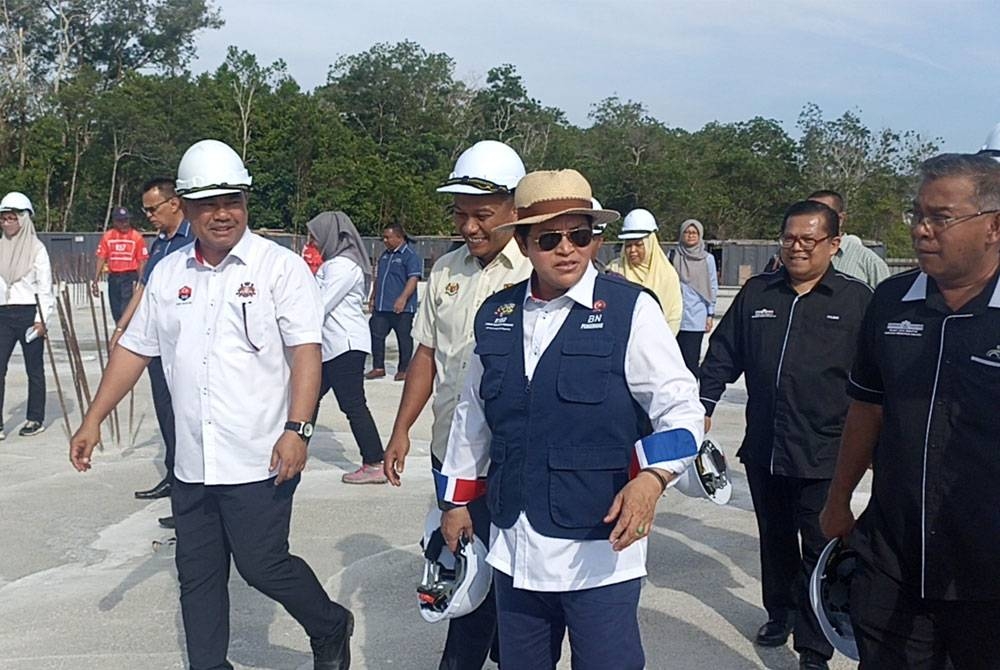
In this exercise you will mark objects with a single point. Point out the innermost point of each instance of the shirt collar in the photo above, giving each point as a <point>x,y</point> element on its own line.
<point>582,292</point>
<point>780,277</point>
<point>242,252</point>
<point>918,291</point>
<point>508,255</point>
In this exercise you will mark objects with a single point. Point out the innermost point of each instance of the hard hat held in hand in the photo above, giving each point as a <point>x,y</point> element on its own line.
<point>16,202</point>
<point>485,167</point>
<point>830,596</point>
<point>637,224</point>
<point>453,584</point>
<point>708,476</point>
<point>210,168</point>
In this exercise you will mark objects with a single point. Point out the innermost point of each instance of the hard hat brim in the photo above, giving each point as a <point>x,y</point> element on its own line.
<point>598,217</point>
<point>634,235</point>
<point>210,193</point>
<point>467,189</point>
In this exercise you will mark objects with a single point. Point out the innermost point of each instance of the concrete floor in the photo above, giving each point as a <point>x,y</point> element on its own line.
<point>81,586</point>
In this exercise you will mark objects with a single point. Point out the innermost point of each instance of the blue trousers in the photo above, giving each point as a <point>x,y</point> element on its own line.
<point>603,626</point>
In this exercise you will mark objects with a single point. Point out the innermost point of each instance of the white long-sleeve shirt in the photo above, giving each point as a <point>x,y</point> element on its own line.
<point>342,290</point>
<point>657,379</point>
<point>37,281</point>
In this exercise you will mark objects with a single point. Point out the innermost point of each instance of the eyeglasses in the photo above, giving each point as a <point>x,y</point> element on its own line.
<point>807,243</point>
<point>914,218</point>
<point>152,208</point>
<point>476,182</point>
<point>580,237</point>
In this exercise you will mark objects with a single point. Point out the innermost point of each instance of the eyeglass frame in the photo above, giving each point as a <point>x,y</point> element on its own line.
<point>911,221</point>
<point>807,243</point>
<point>152,208</point>
<point>561,234</point>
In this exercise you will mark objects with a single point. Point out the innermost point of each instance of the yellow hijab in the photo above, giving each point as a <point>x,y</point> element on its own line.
<point>655,273</point>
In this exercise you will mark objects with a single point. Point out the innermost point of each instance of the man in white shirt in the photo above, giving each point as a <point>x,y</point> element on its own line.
<point>482,187</point>
<point>576,414</point>
<point>236,320</point>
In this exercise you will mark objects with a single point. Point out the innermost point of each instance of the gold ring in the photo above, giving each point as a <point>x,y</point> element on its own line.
<point>641,530</point>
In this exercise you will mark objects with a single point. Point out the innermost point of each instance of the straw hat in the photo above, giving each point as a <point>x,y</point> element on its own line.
<point>546,194</point>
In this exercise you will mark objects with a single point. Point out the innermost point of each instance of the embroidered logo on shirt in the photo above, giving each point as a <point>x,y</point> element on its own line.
<point>594,321</point>
<point>764,313</point>
<point>833,317</point>
<point>904,328</point>
<point>506,309</point>
<point>184,293</point>
<point>246,290</point>
<point>451,289</point>
<point>600,305</point>
<point>501,322</point>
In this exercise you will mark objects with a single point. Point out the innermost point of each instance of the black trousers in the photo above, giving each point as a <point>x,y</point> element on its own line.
<point>164,411</point>
<point>689,342</point>
<point>120,288</point>
<point>787,509</point>
<point>896,630</point>
<point>473,637</point>
<point>345,374</point>
<point>380,324</point>
<point>14,322</point>
<point>248,522</point>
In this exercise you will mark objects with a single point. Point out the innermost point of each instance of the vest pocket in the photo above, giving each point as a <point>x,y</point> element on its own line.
<point>495,356</point>
<point>585,370</point>
<point>583,483</point>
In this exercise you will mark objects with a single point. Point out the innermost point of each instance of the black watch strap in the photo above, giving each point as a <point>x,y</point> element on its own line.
<point>303,429</point>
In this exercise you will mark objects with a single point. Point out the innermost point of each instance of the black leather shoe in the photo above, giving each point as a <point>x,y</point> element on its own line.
<point>812,660</point>
<point>166,522</point>
<point>334,651</point>
<point>774,633</point>
<point>161,490</point>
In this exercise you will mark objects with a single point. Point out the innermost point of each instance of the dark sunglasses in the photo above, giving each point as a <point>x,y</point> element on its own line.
<point>580,237</point>
<point>152,208</point>
<point>476,182</point>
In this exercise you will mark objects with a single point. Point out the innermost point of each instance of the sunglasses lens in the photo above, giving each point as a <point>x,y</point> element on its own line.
<point>549,241</point>
<point>581,237</point>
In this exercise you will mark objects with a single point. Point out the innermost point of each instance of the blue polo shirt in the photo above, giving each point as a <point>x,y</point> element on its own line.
<point>394,269</point>
<point>164,245</point>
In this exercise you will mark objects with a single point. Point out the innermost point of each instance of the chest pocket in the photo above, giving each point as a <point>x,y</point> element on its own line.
<point>494,353</point>
<point>585,368</point>
<point>251,321</point>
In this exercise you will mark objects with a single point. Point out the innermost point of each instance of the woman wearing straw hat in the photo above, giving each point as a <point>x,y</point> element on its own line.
<point>25,272</point>
<point>644,262</point>
<point>699,289</point>
<point>344,279</point>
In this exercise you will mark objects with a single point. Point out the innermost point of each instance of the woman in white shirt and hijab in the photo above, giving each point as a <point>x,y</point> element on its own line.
<point>344,280</point>
<point>25,272</point>
<point>699,289</point>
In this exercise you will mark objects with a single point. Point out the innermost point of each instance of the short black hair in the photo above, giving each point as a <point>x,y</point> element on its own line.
<point>838,199</point>
<point>397,228</point>
<point>165,185</point>
<point>811,207</point>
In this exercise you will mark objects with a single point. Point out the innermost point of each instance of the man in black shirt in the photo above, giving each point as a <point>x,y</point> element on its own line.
<point>792,332</point>
<point>925,389</point>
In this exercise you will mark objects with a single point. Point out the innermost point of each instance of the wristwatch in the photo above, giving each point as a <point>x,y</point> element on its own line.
<point>303,429</point>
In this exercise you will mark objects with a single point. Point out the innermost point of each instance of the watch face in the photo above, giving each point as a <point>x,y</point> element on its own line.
<point>307,430</point>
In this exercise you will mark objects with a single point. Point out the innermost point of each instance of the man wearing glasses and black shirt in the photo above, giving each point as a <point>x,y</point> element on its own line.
<point>792,333</point>
<point>924,415</point>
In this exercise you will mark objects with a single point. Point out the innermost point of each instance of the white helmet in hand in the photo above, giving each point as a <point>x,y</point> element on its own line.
<point>485,167</point>
<point>210,168</point>
<point>830,596</point>
<point>708,476</point>
<point>16,202</point>
<point>454,584</point>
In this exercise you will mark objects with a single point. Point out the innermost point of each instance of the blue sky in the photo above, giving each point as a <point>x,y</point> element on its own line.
<point>933,67</point>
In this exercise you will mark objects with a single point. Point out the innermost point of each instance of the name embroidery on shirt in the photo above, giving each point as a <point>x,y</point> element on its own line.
<point>593,322</point>
<point>833,317</point>
<point>500,321</point>
<point>764,314</point>
<point>246,290</point>
<point>904,328</point>
<point>451,289</point>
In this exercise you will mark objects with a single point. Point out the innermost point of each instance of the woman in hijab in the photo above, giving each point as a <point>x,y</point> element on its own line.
<point>25,272</point>
<point>643,262</point>
<point>344,279</point>
<point>699,289</point>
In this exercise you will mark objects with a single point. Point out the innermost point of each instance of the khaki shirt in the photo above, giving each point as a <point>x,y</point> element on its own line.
<point>457,286</point>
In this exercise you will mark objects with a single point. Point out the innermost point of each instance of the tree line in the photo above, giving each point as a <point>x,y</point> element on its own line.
<point>95,98</point>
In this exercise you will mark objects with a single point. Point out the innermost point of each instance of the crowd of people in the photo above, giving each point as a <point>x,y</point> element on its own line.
<point>847,369</point>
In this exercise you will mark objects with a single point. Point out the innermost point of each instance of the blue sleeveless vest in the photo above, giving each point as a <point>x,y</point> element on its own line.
<point>562,445</point>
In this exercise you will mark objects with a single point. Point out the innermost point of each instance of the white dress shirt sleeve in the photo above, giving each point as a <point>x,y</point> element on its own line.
<point>665,389</point>
<point>43,283</point>
<point>463,472</point>
<point>141,336</point>
<point>336,277</point>
<point>297,303</point>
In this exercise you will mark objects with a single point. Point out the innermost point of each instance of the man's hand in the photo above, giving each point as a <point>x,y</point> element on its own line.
<point>634,507</point>
<point>395,458</point>
<point>709,322</point>
<point>836,519</point>
<point>95,289</point>
<point>290,453</point>
<point>82,444</point>
<point>40,328</point>
<point>456,523</point>
<point>708,424</point>
<point>399,305</point>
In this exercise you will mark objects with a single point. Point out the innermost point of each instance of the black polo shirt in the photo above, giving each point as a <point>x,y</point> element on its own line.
<point>933,521</point>
<point>796,352</point>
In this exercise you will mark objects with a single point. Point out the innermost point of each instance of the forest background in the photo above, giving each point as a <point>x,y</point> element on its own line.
<point>96,97</point>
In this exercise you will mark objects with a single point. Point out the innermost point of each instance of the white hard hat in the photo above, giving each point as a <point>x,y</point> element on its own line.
<point>708,476</point>
<point>454,584</point>
<point>830,596</point>
<point>992,145</point>
<point>210,168</point>
<point>598,227</point>
<point>637,224</point>
<point>16,202</point>
<point>485,167</point>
